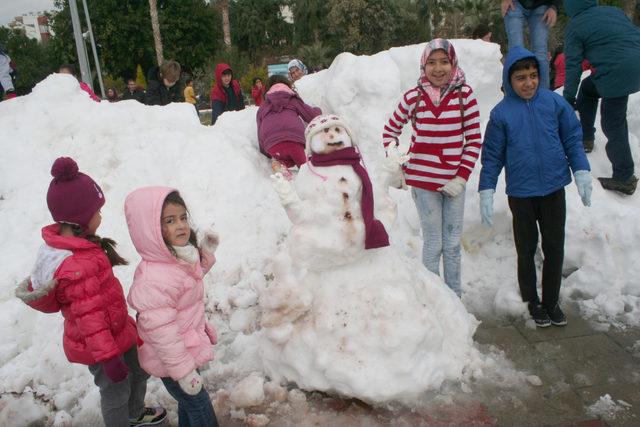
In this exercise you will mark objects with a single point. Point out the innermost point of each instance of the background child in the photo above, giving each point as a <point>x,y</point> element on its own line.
<point>281,123</point>
<point>163,84</point>
<point>189,93</point>
<point>226,94</point>
<point>168,294</point>
<point>534,134</point>
<point>445,145</point>
<point>257,92</point>
<point>73,275</point>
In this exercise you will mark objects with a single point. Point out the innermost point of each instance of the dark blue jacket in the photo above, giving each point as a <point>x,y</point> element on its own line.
<point>535,140</point>
<point>605,36</point>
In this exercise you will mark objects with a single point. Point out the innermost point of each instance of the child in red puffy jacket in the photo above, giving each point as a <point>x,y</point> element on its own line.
<point>73,274</point>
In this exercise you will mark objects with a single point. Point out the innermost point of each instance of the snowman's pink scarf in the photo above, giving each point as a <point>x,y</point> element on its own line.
<point>375,234</point>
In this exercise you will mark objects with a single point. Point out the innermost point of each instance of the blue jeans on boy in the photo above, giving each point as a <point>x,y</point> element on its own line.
<point>613,118</point>
<point>441,219</point>
<point>538,34</point>
<point>193,411</point>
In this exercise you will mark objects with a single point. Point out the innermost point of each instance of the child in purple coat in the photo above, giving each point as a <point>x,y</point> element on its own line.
<point>281,122</point>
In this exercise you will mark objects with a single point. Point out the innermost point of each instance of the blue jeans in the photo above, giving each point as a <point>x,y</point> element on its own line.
<point>441,219</point>
<point>613,118</point>
<point>538,34</point>
<point>193,411</point>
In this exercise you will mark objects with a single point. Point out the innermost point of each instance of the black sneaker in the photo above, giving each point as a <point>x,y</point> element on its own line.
<point>149,417</point>
<point>539,315</point>
<point>625,187</point>
<point>588,145</point>
<point>557,316</point>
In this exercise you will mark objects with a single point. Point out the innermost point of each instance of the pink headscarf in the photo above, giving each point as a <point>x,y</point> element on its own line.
<point>457,75</point>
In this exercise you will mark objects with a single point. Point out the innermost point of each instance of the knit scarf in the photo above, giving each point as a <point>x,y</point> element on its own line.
<point>188,253</point>
<point>375,234</point>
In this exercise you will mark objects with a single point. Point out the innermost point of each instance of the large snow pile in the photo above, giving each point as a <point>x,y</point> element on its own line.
<point>225,181</point>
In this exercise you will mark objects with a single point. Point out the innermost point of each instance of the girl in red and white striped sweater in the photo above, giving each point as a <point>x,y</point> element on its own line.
<point>445,144</point>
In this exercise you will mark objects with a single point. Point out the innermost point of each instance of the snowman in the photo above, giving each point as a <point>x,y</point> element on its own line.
<point>331,204</point>
<point>346,313</point>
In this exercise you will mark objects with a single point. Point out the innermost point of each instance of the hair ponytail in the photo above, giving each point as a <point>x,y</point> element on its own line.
<point>107,245</point>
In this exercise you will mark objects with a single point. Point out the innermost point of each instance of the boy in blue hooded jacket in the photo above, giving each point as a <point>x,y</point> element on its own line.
<point>534,134</point>
<point>609,40</point>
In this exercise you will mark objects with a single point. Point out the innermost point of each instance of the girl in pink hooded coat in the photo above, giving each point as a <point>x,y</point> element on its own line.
<point>168,294</point>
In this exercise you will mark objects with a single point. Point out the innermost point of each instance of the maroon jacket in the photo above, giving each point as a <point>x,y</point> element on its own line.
<point>282,118</point>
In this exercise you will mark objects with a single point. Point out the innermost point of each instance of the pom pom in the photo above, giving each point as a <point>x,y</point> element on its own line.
<point>64,169</point>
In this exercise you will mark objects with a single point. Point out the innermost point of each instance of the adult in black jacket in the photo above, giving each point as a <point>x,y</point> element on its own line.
<point>133,92</point>
<point>539,15</point>
<point>163,85</point>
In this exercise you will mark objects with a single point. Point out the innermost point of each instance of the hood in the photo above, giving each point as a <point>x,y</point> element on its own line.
<point>574,7</point>
<point>514,55</point>
<point>221,68</point>
<point>142,209</point>
<point>279,99</point>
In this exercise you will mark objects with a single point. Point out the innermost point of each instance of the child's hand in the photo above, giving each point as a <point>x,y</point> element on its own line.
<point>506,5</point>
<point>284,188</point>
<point>394,160</point>
<point>191,384</point>
<point>454,187</point>
<point>210,241</point>
<point>115,369</point>
<point>211,333</point>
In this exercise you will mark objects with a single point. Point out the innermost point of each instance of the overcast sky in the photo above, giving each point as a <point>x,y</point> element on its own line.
<point>9,9</point>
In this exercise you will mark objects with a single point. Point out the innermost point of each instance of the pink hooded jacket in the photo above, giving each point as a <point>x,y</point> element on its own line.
<point>167,293</point>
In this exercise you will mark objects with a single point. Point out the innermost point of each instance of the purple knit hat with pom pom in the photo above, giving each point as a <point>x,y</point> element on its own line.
<point>73,197</point>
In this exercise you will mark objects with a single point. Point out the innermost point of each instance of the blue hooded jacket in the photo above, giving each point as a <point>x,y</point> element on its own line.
<point>609,40</point>
<point>535,140</point>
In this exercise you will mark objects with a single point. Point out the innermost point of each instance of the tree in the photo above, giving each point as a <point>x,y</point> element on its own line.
<point>33,60</point>
<point>309,20</point>
<point>259,27</point>
<point>155,25</point>
<point>363,26</point>
<point>226,26</point>
<point>124,36</point>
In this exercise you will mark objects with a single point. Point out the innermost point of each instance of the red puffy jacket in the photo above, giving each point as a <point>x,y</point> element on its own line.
<point>97,325</point>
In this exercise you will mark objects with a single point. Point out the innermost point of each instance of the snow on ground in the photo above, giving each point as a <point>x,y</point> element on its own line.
<point>225,181</point>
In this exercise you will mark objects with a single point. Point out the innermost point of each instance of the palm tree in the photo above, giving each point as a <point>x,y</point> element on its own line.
<point>226,26</point>
<point>153,10</point>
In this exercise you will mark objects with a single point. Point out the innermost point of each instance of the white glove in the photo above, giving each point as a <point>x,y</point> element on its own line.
<point>284,188</point>
<point>454,187</point>
<point>210,241</point>
<point>191,384</point>
<point>394,160</point>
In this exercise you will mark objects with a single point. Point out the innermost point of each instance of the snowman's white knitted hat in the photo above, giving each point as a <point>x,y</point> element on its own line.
<point>323,122</point>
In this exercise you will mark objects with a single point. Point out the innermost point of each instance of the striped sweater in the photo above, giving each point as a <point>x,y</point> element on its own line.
<point>440,148</point>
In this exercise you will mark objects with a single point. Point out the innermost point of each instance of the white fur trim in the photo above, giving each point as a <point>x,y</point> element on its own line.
<point>47,262</point>
<point>22,290</point>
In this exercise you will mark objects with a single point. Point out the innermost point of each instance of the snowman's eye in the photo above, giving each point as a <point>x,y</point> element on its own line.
<point>326,130</point>
<point>337,129</point>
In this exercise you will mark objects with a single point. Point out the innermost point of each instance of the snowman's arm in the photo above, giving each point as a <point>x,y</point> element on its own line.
<point>288,197</point>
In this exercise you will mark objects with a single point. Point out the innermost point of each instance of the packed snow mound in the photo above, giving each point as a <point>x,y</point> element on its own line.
<point>225,182</point>
<point>381,328</point>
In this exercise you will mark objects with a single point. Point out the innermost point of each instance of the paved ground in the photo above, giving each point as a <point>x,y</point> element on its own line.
<point>577,365</point>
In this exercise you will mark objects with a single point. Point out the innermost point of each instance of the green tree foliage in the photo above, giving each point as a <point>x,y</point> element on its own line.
<point>258,27</point>
<point>314,55</point>
<point>32,60</point>
<point>122,30</point>
<point>309,21</point>
<point>363,26</point>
